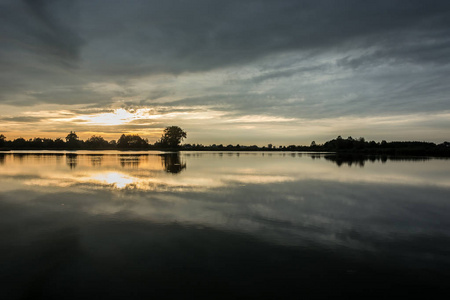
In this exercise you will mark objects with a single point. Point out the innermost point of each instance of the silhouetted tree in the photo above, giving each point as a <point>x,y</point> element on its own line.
<point>96,142</point>
<point>112,143</point>
<point>36,143</point>
<point>2,140</point>
<point>19,143</point>
<point>131,142</point>
<point>72,140</point>
<point>59,143</point>
<point>172,137</point>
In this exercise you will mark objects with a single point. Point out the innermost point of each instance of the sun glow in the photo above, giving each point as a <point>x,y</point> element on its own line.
<point>122,116</point>
<point>118,117</point>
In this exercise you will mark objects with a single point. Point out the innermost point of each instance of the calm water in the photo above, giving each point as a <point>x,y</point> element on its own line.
<point>131,225</point>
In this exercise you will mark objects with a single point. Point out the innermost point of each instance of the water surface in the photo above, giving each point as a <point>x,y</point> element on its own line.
<point>109,224</point>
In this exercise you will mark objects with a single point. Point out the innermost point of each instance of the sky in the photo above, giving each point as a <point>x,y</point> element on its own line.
<point>248,72</point>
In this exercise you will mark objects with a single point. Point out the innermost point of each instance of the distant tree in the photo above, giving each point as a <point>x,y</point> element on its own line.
<point>113,143</point>
<point>131,141</point>
<point>313,144</point>
<point>59,143</point>
<point>37,143</point>
<point>72,140</point>
<point>2,140</point>
<point>48,143</point>
<point>72,136</point>
<point>19,143</point>
<point>96,142</point>
<point>172,137</point>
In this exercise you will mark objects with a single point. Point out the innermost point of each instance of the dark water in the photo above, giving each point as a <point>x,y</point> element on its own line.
<point>140,225</point>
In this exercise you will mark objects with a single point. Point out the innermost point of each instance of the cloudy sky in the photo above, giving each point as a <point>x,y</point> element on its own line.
<point>248,72</point>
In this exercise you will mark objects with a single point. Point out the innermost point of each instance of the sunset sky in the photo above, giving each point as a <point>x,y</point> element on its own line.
<point>248,72</point>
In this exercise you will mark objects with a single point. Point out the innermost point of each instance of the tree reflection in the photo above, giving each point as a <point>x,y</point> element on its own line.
<point>72,160</point>
<point>19,156</point>
<point>129,161</point>
<point>2,159</point>
<point>96,160</point>
<point>172,163</point>
<point>360,160</point>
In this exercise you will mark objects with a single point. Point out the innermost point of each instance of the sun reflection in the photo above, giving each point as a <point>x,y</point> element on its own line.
<point>119,180</point>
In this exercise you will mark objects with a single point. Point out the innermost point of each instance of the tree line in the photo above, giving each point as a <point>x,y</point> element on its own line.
<point>170,139</point>
<point>173,135</point>
<point>343,146</point>
<point>361,146</point>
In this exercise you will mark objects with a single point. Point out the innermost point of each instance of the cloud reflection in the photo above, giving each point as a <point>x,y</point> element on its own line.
<point>206,171</point>
<point>281,199</point>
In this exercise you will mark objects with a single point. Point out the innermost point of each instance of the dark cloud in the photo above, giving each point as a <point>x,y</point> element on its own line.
<point>179,36</point>
<point>144,37</point>
<point>43,28</point>
<point>157,94</point>
<point>277,74</point>
<point>22,119</point>
<point>306,59</point>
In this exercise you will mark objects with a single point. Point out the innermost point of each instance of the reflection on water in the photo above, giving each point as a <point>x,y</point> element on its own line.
<point>172,163</point>
<point>360,160</point>
<point>233,225</point>
<point>118,170</point>
<point>72,160</point>
<point>96,160</point>
<point>130,161</point>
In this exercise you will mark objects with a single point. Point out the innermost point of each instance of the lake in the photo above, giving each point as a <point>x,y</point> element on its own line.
<point>132,225</point>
